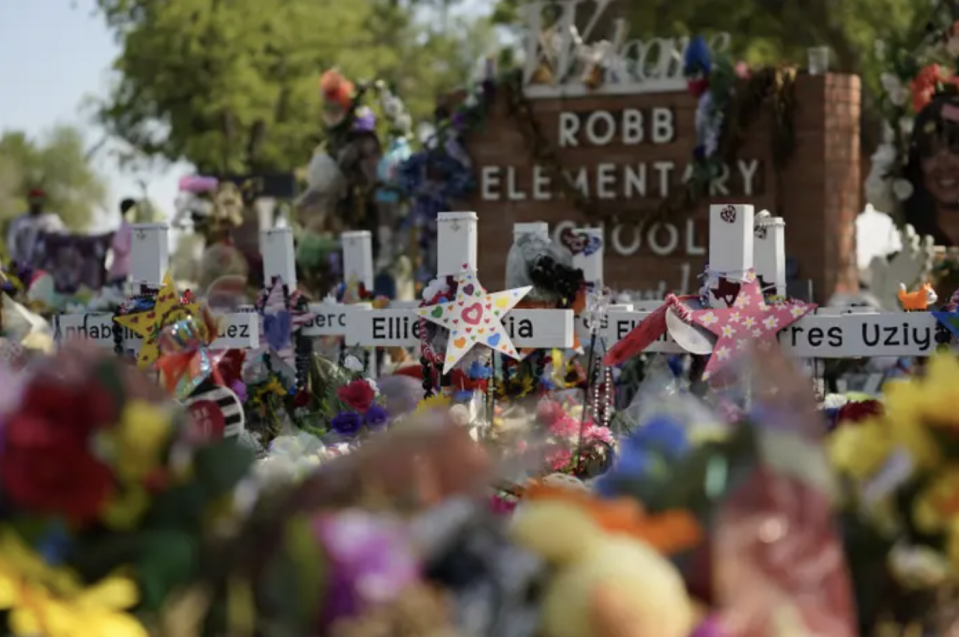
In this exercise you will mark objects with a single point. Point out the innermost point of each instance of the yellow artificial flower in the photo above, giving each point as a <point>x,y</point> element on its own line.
<point>139,440</point>
<point>860,451</point>
<point>915,408</point>
<point>937,506</point>
<point>436,401</point>
<point>43,601</point>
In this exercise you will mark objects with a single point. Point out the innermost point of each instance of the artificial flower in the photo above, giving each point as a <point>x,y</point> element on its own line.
<point>347,423</point>
<point>137,443</point>
<point>358,395</point>
<point>47,602</point>
<point>937,505</point>
<point>46,468</point>
<point>861,451</point>
<point>436,401</point>
<point>370,560</point>
<point>376,417</point>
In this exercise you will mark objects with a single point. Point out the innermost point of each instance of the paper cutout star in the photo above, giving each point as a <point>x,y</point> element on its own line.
<point>474,317</point>
<point>167,309</point>
<point>749,320</point>
<point>949,320</point>
<point>280,320</point>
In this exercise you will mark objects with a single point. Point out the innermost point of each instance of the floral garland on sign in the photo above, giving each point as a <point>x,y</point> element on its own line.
<point>913,76</point>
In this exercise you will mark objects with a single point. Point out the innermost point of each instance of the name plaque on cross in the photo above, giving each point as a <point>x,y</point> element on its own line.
<point>332,319</point>
<point>401,328</point>
<point>239,330</point>
<point>824,334</point>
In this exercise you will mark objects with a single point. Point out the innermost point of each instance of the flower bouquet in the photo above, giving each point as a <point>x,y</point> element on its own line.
<point>108,495</point>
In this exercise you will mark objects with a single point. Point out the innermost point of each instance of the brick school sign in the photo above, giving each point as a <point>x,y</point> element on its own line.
<point>629,151</point>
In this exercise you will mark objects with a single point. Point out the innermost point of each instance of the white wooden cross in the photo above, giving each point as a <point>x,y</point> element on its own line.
<point>826,333</point>
<point>151,256</point>
<point>457,245</point>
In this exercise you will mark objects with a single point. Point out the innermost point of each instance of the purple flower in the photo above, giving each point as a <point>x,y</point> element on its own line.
<point>371,561</point>
<point>239,388</point>
<point>347,423</point>
<point>376,417</point>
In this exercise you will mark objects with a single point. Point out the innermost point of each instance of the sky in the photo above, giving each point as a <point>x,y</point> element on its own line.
<point>53,55</point>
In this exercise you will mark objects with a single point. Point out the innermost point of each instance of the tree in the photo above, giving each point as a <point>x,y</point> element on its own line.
<point>232,85</point>
<point>60,164</point>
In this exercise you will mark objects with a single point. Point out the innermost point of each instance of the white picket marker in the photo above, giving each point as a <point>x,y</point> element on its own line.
<point>731,235</point>
<point>457,242</point>
<point>457,236</point>
<point>150,252</point>
<point>358,257</point>
<point>279,258</point>
<point>769,254</point>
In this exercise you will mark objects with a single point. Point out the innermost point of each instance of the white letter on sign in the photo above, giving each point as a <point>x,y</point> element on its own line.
<point>663,129</point>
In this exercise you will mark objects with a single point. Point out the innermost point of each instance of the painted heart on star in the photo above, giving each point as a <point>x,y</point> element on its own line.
<point>469,289</point>
<point>493,340</point>
<point>501,303</point>
<point>472,314</point>
<point>459,343</point>
<point>437,312</point>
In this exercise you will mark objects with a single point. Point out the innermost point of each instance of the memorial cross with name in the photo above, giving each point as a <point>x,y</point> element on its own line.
<point>853,332</point>
<point>151,250</point>
<point>457,247</point>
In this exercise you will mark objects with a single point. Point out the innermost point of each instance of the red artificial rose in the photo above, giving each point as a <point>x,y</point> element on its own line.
<point>46,467</point>
<point>301,399</point>
<point>80,408</point>
<point>858,411</point>
<point>357,395</point>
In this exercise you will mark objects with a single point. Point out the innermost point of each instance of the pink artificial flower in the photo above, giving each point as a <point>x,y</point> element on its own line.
<point>502,506</point>
<point>595,433</point>
<point>742,70</point>
<point>549,411</point>
<point>565,427</point>
<point>559,458</point>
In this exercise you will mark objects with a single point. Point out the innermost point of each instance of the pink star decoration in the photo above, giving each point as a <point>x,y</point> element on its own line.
<point>750,320</point>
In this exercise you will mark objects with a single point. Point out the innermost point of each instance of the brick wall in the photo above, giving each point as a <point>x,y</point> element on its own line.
<point>819,195</point>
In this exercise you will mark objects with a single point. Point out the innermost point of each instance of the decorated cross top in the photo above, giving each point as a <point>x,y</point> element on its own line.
<point>457,241</point>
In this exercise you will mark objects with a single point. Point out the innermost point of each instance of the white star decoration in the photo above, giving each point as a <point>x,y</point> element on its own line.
<point>474,316</point>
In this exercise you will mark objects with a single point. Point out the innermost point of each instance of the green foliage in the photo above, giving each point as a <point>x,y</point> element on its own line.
<point>59,163</point>
<point>233,86</point>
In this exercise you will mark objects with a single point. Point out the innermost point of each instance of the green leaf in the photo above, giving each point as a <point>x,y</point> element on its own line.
<point>108,373</point>
<point>167,562</point>
<point>179,507</point>
<point>303,551</point>
<point>221,466</point>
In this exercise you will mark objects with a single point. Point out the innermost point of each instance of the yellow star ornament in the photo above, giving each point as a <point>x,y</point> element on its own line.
<point>167,310</point>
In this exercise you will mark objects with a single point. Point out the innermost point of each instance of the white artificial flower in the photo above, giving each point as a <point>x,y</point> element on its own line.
<point>884,156</point>
<point>906,124</point>
<point>460,415</point>
<point>435,288</point>
<point>353,364</point>
<point>834,401</point>
<point>902,188</point>
<point>898,93</point>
